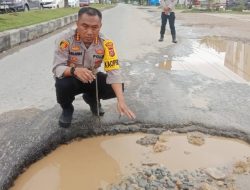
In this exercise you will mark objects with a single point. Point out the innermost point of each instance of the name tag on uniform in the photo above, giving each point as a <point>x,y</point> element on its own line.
<point>110,56</point>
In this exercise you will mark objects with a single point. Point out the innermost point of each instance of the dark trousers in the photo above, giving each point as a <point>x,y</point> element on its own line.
<point>67,88</point>
<point>171,19</point>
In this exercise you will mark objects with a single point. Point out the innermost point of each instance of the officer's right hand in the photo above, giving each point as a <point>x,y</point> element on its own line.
<point>85,75</point>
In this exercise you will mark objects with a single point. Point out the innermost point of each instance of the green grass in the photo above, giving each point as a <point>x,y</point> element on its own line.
<point>21,19</point>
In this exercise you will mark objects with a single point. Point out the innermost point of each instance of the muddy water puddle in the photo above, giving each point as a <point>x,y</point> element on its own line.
<point>96,162</point>
<point>216,58</point>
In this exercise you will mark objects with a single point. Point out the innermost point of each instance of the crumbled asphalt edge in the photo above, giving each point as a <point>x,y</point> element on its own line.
<point>52,136</point>
<point>160,178</point>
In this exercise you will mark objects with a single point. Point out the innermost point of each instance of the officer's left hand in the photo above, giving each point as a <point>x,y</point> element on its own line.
<point>124,110</point>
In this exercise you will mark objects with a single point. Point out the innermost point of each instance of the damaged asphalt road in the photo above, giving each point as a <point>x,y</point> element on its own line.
<point>27,135</point>
<point>178,100</point>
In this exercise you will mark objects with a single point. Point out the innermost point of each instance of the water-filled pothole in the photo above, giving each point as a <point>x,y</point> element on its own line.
<point>216,58</point>
<point>96,162</point>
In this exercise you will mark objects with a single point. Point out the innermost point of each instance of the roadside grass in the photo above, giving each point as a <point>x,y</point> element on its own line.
<point>20,19</point>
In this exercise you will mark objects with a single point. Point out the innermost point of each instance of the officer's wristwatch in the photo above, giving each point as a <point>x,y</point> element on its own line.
<point>72,71</point>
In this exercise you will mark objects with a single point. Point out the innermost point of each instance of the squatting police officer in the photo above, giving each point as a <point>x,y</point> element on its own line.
<point>78,54</point>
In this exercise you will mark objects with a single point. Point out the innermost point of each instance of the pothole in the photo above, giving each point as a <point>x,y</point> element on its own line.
<point>141,161</point>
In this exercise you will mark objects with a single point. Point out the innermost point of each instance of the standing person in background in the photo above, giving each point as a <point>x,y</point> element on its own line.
<point>168,13</point>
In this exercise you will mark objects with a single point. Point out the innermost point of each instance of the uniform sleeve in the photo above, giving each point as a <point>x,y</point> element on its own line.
<point>114,77</point>
<point>60,57</point>
<point>111,63</point>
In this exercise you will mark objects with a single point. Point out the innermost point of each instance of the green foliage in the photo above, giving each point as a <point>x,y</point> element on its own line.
<point>21,19</point>
<point>240,6</point>
<point>180,6</point>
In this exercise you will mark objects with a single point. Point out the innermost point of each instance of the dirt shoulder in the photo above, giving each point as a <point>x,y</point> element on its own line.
<point>233,26</point>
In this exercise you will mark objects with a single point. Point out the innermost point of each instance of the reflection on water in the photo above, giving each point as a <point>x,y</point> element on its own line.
<point>237,55</point>
<point>167,65</point>
<point>216,58</point>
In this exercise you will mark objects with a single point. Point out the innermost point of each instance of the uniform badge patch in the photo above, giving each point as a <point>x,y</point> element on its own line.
<point>64,44</point>
<point>97,63</point>
<point>110,48</point>
<point>77,37</point>
<point>99,51</point>
<point>75,48</point>
<point>110,56</point>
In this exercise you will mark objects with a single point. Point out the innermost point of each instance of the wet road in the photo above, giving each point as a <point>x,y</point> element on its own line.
<point>165,86</point>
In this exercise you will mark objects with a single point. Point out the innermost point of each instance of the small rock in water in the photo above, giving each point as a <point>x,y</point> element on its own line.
<point>240,167</point>
<point>206,186</point>
<point>196,138</point>
<point>164,137</point>
<point>159,147</point>
<point>179,184</point>
<point>220,183</point>
<point>215,173</point>
<point>148,140</point>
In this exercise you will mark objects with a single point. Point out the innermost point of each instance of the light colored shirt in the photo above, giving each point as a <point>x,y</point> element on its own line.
<point>70,51</point>
<point>168,3</point>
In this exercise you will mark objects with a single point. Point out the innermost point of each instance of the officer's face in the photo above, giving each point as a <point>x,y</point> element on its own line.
<point>88,27</point>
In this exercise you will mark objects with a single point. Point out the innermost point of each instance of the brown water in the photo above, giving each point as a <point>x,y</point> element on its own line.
<point>215,58</point>
<point>95,162</point>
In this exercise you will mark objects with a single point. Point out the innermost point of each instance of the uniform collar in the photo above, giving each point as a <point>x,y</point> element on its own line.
<point>78,39</point>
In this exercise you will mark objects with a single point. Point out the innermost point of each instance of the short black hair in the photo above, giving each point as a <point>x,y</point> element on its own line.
<point>89,11</point>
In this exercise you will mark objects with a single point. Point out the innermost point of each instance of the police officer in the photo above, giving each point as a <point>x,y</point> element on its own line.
<point>78,54</point>
<point>168,14</point>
